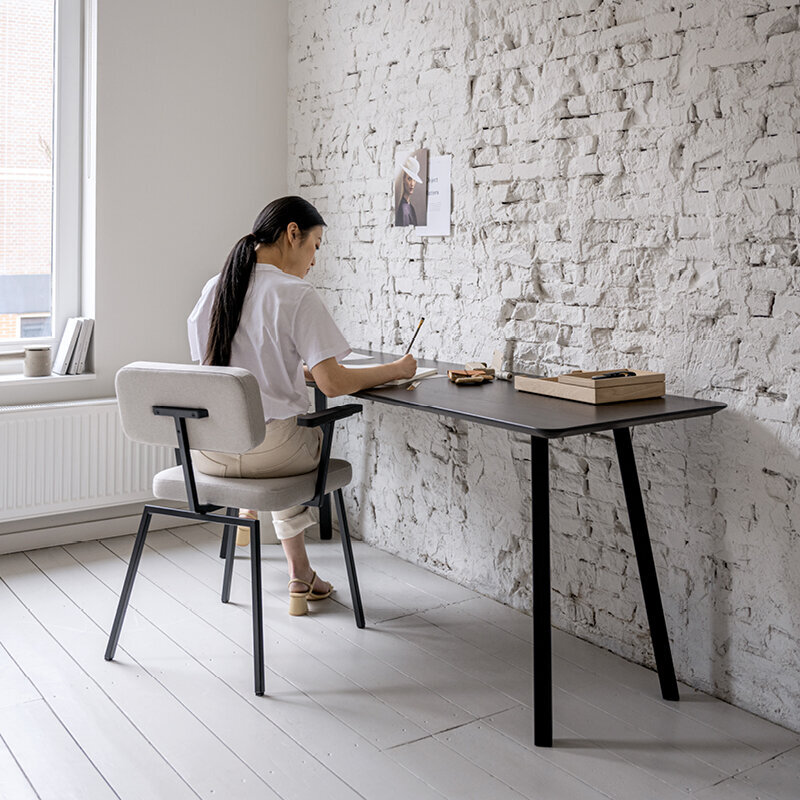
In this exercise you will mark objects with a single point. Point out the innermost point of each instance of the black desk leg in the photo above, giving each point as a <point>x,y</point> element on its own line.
<point>542,645</point>
<point>647,568</point>
<point>325,532</point>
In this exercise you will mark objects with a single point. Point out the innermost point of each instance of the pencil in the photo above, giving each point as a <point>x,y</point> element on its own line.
<point>408,349</point>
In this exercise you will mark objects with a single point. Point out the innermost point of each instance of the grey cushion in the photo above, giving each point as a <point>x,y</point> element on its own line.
<point>264,494</point>
<point>235,421</point>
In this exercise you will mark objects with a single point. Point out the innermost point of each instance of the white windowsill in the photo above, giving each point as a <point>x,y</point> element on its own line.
<point>18,377</point>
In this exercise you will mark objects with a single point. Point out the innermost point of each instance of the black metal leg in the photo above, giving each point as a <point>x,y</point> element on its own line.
<point>127,587</point>
<point>347,546</point>
<point>325,526</point>
<point>258,614</point>
<point>228,547</point>
<point>542,643</point>
<point>231,512</point>
<point>325,530</point>
<point>647,568</point>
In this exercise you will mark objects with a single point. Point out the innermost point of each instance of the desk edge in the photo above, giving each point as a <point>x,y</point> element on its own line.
<point>545,433</point>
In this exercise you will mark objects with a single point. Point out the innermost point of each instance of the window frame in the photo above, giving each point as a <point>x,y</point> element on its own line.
<point>68,132</point>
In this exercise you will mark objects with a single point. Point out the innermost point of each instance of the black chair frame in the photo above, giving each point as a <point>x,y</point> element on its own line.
<point>230,519</point>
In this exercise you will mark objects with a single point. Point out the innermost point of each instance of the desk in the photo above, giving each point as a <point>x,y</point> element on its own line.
<point>544,418</point>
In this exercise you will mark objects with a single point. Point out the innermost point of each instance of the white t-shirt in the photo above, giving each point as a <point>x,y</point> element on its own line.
<point>283,324</point>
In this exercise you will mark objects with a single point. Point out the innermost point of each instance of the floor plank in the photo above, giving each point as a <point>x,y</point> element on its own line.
<point>449,772</point>
<point>734,789</point>
<point>527,772</point>
<point>13,783</point>
<point>515,683</point>
<point>586,759</point>
<point>50,758</point>
<point>15,688</point>
<point>675,767</point>
<point>779,777</point>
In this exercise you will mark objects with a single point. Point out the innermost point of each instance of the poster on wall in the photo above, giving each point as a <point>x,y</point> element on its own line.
<point>438,197</point>
<point>410,195</point>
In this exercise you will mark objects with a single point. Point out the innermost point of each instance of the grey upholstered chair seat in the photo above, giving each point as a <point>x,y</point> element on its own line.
<point>267,494</point>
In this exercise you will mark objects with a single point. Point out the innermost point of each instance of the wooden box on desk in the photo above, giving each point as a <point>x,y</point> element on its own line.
<point>580,386</point>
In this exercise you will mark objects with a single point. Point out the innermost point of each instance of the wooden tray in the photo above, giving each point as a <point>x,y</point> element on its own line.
<point>579,386</point>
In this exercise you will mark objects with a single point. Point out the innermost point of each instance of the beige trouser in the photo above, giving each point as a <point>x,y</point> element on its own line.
<point>287,450</point>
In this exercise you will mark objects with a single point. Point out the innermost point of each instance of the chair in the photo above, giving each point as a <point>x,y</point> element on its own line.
<point>219,409</point>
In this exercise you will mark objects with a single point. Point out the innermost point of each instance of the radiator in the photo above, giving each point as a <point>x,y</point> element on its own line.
<point>58,457</point>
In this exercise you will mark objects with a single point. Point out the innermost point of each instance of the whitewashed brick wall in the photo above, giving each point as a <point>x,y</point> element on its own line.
<point>626,184</point>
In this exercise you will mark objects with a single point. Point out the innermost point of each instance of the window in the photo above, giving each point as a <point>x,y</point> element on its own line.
<point>40,168</point>
<point>34,326</point>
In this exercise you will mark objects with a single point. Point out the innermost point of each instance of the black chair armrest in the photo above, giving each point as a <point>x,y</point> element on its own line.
<point>317,418</point>
<point>325,419</point>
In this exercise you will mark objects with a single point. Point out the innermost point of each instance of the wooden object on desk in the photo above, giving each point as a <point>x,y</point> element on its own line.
<point>470,376</point>
<point>578,385</point>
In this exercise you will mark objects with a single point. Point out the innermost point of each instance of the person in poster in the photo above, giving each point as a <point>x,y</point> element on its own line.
<point>411,208</point>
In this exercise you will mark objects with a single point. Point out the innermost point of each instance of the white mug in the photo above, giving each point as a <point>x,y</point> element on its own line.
<point>37,361</point>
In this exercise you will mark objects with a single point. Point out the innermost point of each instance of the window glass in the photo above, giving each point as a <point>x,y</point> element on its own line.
<point>34,327</point>
<point>27,42</point>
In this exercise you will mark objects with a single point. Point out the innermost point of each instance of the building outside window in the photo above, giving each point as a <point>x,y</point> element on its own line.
<point>40,115</point>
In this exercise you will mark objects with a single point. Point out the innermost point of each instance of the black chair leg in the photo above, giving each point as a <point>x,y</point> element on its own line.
<point>258,614</point>
<point>347,546</point>
<point>228,547</point>
<point>231,512</point>
<point>127,587</point>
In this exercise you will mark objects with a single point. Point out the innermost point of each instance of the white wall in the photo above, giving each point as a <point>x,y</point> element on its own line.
<point>191,144</point>
<point>625,179</point>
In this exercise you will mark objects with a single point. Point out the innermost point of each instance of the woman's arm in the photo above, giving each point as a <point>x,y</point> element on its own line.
<point>335,380</point>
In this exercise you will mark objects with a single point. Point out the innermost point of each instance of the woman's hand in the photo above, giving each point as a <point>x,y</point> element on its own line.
<point>406,366</point>
<point>335,380</point>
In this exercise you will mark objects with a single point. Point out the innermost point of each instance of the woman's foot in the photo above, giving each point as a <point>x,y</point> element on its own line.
<point>319,589</point>
<point>301,591</point>
<point>304,585</point>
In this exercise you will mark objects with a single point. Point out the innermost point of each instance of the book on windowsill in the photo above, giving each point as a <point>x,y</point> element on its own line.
<point>77,364</point>
<point>66,347</point>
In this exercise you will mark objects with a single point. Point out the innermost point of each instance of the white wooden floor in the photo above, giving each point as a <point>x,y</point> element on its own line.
<point>432,700</point>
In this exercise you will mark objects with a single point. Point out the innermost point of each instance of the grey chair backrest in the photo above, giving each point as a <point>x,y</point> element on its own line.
<point>235,421</point>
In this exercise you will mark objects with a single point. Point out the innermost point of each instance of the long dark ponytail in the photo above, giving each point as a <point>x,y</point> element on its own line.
<point>238,270</point>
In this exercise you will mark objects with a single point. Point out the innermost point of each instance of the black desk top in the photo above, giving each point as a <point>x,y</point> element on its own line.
<point>498,403</point>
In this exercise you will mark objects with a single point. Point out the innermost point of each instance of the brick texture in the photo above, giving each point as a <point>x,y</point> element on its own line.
<point>626,189</point>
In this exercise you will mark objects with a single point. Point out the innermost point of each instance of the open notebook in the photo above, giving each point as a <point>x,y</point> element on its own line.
<point>422,372</point>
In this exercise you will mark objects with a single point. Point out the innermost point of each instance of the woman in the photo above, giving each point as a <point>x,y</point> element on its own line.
<point>409,178</point>
<point>259,313</point>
